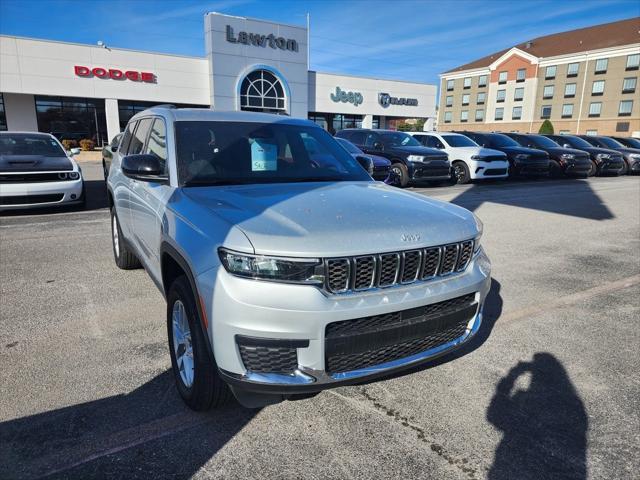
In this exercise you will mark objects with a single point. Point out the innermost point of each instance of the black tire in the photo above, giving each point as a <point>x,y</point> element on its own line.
<point>123,257</point>
<point>402,173</point>
<point>555,170</point>
<point>207,390</point>
<point>105,172</point>
<point>461,173</point>
<point>625,168</point>
<point>593,170</point>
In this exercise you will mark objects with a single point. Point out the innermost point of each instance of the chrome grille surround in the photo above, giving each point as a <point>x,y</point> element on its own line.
<point>366,272</point>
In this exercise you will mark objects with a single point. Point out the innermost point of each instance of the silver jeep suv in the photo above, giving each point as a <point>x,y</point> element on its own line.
<point>286,269</point>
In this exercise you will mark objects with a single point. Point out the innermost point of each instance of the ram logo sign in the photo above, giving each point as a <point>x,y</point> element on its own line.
<point>384,99</point>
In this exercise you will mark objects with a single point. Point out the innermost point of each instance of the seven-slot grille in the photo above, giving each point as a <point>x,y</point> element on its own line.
<point>388,269</point>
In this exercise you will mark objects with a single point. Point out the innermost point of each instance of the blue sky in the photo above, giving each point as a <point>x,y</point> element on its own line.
<point>406,40</point>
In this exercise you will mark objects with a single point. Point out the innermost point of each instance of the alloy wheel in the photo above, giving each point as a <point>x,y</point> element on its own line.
<point>182,346</point>
<point>116,239</point>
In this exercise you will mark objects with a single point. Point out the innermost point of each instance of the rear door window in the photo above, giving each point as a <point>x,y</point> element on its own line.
<point>357,138</point>
<point>371,140</point>
<point>139,137</point>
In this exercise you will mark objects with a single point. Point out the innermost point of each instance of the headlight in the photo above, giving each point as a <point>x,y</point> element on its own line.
<point>635,156</point>
<point>522,156</point>
<point>568,156</point>
<point>415,158</point>
<point>480,228</point>
<point>476,157</point>
<point>277,269</point>
<point>62,175</point>
<point>603,156</point>
<point>74,175</point>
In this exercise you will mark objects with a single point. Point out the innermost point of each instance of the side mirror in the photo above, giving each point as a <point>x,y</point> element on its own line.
<point>366,163</point>
<point>378,146</point>
<point>144,167</point>
<point>113,148</point>
<point>566,145</point>
<point>74,151</point>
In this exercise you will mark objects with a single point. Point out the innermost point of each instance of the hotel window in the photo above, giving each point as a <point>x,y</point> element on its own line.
<point>591,132</point>
<point>502,77</point>
<point>545,112</point>
<point>499,114</point>
<point>3,116</point>
<point>572,69</point>
<point>482,81</point>
<point>598,88</point>
<point>449,101</point>
<point>518,94</point>
<point>622,126</point>
<point>501,95</point>
<point>633,61</point>
<point>601,65</point>
<point>464,116</point>
<point>547,92</point>
<point>479,115</point>
<point>517,113</point>
<point>466,83</point>
<point>594,109</point>
<point>629,85</point>
<point>624,110</point>
<point>482,97</point>
<point>550,72</point>
<point>570,90</point>
<point>450,85</point>
<point>447,117</point>
<point>567,110</point>
<point>565,132</point>
<point>465,99</point>
<point>521,75</point>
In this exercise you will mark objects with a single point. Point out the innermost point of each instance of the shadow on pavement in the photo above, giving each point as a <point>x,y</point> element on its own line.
<point>107,437</point>
<point>542,197</point>
<point>543,420</point>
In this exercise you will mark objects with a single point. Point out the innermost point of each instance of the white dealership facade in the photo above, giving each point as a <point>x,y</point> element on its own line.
<point>85,91</point>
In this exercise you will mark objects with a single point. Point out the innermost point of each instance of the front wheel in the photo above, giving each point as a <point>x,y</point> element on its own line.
<point>401,173</point>
<point>555,170</point>
<point>625,168</point>
<point>593,170</point>
<point>195,373</point>
<point>461,173</point>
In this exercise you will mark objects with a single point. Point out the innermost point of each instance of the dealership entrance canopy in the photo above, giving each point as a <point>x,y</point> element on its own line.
<point>84,91</point>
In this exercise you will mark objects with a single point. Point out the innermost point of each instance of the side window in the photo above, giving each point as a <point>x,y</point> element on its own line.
<point>128,134</point>
<point>358,138</point>
<point>423,139</point>
<point>434,142</point>
<point>371,139</point>
<point>157,144</point>
<point>139,137</point>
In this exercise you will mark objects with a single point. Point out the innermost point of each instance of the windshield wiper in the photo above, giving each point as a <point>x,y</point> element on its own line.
<point>213,183</point>
<point>315,179</point>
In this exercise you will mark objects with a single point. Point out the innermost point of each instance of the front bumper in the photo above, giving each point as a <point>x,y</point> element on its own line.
<point>36,195</point>
<point>484,170</point>
<point>611,167</point>
<point>300,314</point>
<point>537,168</point>
<point>577,168</point>
<point>430,170</point>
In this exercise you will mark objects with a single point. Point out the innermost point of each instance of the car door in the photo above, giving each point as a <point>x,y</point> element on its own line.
<point>372,140</point>
<point>150,197</point>
<point>121,185</point>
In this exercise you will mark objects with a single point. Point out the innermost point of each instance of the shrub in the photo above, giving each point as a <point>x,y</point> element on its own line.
<point>69,144</point>
<point>87,144</point>
<point>546,128</point>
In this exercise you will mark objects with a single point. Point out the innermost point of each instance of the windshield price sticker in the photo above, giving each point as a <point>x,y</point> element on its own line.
<point>264,156</point>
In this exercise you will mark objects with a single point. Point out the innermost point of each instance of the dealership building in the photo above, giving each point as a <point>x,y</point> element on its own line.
<point>90,91</point>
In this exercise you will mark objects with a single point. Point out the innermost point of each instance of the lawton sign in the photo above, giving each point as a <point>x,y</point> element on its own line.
<point>258,40</point>
<point>115,74</point>
<point>385,100</point>
<point>346,97</point>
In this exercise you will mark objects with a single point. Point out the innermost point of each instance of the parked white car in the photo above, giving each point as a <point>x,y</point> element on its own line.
<point>469,160</point>
<point>36,171</point>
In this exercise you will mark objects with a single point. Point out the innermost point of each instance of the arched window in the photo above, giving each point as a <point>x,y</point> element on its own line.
<point>261,91</point>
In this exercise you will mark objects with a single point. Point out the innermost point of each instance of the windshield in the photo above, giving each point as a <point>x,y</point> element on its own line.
<point>399,139</point>
<point>459,141</point>
<point>348,146</point>
<point>227,153</point>
<point>575,142</point>
<point>541,141</point>
<point>30,144</point>
<point>610,142</point>
<point>499,140</point>
<point>632,142</point>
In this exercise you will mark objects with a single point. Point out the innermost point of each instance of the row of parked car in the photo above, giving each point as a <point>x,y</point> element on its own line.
<point>466,156</point>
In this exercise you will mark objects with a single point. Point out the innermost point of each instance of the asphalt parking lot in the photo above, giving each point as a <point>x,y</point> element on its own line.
<point>548,389</point>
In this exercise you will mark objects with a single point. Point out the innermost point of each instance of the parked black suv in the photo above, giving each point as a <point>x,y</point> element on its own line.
<point>630,142</point>
<point>568,161</point>
<point>605,161</point>
<point>409,159</point>
<point>631,156</point>
<point>522,160</point>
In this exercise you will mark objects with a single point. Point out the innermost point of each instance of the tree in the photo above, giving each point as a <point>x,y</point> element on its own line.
<point>404,127</point>
<point>546,128</point>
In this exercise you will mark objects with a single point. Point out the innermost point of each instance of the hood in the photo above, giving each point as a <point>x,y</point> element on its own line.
<point>335,219</point>
<point>417,150</point>
<point>597,150</point>
<point>629,151</point>
<point>557,151</point>
<point>34,163</point>
<point>529,151</point>
<point>488,152</point>
<point>377,161</point>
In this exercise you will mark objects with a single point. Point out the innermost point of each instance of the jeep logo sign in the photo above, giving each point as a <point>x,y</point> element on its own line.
<point>262,40</point>
<point>346,97</point>
<point>384,99</point>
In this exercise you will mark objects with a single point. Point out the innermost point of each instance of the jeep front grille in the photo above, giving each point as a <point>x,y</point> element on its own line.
<point>393,268</point>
